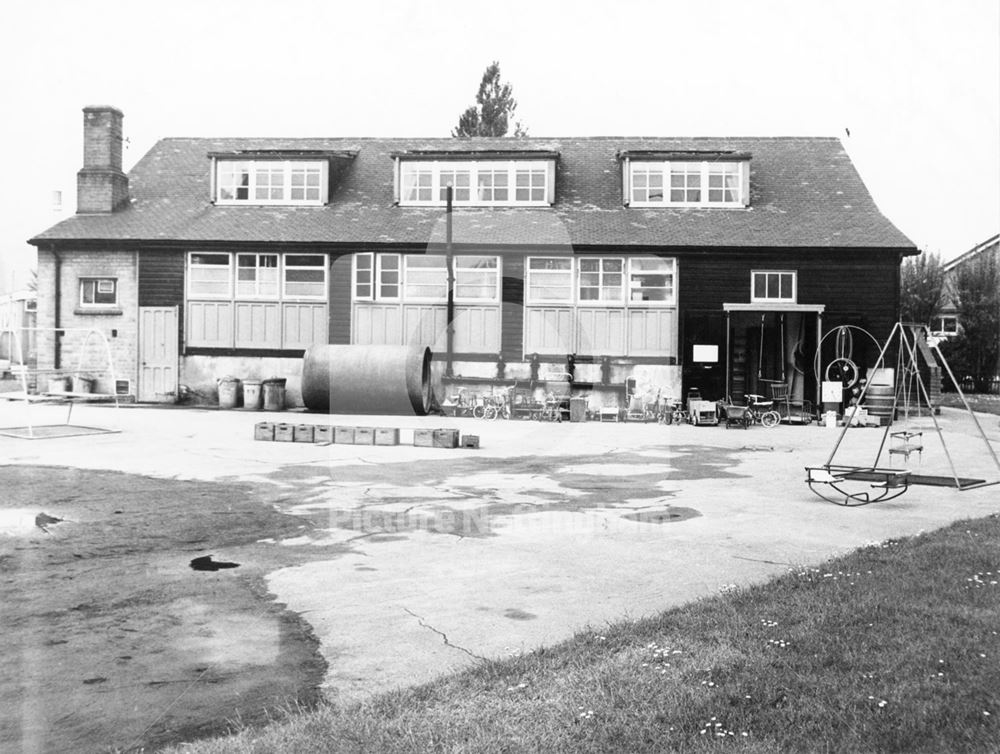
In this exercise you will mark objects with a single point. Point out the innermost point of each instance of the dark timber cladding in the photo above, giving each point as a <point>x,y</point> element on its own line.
<point>161,280</point>
<point>846,281</point>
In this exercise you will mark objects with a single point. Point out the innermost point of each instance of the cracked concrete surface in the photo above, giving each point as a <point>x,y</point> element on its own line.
<point>443,635</point>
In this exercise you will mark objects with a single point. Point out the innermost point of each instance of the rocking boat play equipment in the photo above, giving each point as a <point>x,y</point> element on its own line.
<point>854,485</point>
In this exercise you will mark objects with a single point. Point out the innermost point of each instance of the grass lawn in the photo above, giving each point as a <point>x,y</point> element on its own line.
<point>985,402</point>
<point>893,647</point>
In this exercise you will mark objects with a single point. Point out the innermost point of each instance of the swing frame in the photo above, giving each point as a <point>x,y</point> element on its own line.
<point>883,483</point>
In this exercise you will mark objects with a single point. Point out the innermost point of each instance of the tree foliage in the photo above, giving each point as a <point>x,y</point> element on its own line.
<point>921,288</point>
<point>493,111</point>
<point>976,350</point>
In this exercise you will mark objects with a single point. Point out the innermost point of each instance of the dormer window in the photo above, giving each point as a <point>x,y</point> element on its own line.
<point>679,180</point>
<point>270,181</point>
<point>479,182</point>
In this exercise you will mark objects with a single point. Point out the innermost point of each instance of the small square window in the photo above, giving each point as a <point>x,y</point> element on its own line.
<point>773,286</point>
<point>98,291</point>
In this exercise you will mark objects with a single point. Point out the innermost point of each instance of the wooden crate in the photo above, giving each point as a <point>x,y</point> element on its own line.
<point>343,435</point>
<point>284,433</point>
<point>423,438</point>
<point>323,434</point>
<point>445,438</point>
<point>364,435</point>
<point>470,441</point>
<point>304,432</point>
<point>263,431</point>
<point>387,436</point>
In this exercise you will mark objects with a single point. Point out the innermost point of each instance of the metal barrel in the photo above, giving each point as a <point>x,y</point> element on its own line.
<point>879,399</point>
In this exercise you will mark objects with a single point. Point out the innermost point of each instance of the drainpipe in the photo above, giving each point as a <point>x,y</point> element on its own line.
<point>449,260</point>
<point>57,320</point>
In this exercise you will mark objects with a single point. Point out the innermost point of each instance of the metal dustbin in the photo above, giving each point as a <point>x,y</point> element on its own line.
<point>577,409</point>
<point>229,392</point>
<point>251,394</point>
<point>274,394</point>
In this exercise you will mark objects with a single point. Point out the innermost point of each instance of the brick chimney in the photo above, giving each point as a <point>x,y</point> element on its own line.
<point>101,186</point>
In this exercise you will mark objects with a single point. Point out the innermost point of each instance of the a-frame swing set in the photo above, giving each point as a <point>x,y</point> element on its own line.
<point>853,485</point>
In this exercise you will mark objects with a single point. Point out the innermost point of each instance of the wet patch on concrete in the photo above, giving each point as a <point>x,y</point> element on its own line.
<point>664,516</point>
<point>515,614</point>
<point>469,496</point>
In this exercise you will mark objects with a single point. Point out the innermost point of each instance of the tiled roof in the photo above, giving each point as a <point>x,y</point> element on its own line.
<point>804,192</point>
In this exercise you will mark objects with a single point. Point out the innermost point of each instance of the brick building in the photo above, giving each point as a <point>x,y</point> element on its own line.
<point>715,263</point>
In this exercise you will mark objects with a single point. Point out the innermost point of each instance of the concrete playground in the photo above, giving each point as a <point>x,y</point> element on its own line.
<point>413,562</point>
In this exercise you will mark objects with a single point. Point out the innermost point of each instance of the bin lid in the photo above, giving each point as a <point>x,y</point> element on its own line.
<point>275,381</point>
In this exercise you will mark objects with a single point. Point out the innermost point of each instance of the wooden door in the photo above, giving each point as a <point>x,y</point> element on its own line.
<point>158,355</point>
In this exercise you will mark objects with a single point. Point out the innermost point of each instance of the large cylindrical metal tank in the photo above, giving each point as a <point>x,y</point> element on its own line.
<point>367,379</point>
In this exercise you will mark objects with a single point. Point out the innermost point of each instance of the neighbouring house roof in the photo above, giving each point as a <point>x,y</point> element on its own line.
<point>992,243</point>
<point>804,192</point>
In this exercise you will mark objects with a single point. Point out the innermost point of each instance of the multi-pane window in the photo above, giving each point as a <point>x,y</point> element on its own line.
<point>418,185</point>
<point>233,181</point>
<point>651,280</point>
<point>685,183</point>
<point>270,181</point>
<point>772,285</point>
<point>476,278</point>
<point>493,182</point>
<point>388,276</point>
<point>210,276</point>
<point>724,183</point>
<point>701,184</point>
<point>305,276</point>
<point>550,280</point>
<point>98,291</point>
<point>530,184</point>
<point>256,276</point>
<point>647,184</point>
<point>364,276</point>
<point>460,180</point>
<point>424,278</point>
<point>307,183</point>
<point>601,279</point>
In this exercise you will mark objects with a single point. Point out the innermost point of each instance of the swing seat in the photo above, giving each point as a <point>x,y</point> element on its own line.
<point>879,484</point>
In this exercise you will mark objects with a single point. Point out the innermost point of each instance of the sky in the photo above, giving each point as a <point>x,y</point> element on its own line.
<point>915,82</point>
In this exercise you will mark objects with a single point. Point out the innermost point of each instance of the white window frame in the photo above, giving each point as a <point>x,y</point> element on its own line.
<point>407,282</point>
<point>664,168</point>
<point>286,267</point>
<point>372,281</point>
<point>199,296</point>
<point>600,301</point>
<point>97,283</point>
<point>671,273</point>
<point>257,295</point>
<point>629,267</point>
<point>378,271</point>
<point>286,169</point>
<point>778,299</point>
<point>442,170</point>
<point>496,270</point>
<point>532,273</point>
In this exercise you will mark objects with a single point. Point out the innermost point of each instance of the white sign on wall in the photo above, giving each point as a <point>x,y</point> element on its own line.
<point>705,353</point>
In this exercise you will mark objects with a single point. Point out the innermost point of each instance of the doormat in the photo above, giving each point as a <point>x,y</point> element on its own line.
<point>51,431</point>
